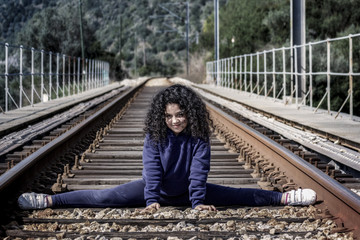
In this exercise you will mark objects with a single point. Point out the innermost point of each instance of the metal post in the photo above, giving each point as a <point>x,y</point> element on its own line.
<point>245,73</point>
<point>32,77</point>
<point>50,75</point>
<point>42,76</point>
<point>296,76</point>
<point>299,40</point>
<point>92,73</point>
<point>240,80</point>
<point>328,76</point>
<point>229,72</point>
<point>219,72</point>
<point>78,76</point>
<point>6,76</point>
<point>303,50</point>
<point>251,73</point>
<point>69,76</point>
<point>83,72</point>
<point>274,78</point>
<point>265,76</point>
<point>57,74</point>
<point>232,72</point>
<point>292,49</point>
<point>104,74</point>
<point>284,75</point>
<point>222,72</point>
<point>351,77</point>
<point>257,71</point>
<point>101,83</point>
<point>96,74</point>
<point>310,76</point>
<point>214,71</point>
<point>187,38</point>
<point>135,54</point>
<point>74,75</point>
<point>63,76</point>
<point>100,73</point>
<point>216,33</point>
<point>215,42</point>
<point>236,74</point>
<point>21,76</point>
<point>227,67</point>
<point>87,76</point>
<point>98,67</point>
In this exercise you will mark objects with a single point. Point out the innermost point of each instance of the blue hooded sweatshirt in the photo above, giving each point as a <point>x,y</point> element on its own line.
<point>178,166</point>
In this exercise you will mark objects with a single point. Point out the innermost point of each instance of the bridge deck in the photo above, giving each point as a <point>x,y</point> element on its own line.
<point>342,128</point>
<point>16,119</point>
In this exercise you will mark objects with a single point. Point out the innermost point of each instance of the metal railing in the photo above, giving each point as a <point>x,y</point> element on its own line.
<point>327,72</point>
<point>29,76</point>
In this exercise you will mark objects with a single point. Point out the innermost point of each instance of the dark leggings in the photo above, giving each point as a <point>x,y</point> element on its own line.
<point>132,195</point>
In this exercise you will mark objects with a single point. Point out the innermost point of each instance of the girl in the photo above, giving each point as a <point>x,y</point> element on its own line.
<point>176,158</point>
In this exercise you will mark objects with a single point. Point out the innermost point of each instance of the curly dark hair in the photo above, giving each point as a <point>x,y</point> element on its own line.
<point>194,108</point>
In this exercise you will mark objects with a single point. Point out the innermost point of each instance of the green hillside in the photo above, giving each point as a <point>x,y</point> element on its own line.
<point>134,36</point>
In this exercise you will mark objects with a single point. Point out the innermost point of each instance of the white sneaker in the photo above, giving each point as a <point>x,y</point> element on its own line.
<point>301,197</point>
<point>32,200</point>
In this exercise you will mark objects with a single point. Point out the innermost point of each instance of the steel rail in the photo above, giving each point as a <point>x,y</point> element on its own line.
<point>340,201</point>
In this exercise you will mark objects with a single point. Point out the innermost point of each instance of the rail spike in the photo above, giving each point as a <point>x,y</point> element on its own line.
<point>77,165</point>
<point>256,173</point>
<point>289,186</point>
<point>264,184</point>
<point>67,173</point>
<point>59,186</point>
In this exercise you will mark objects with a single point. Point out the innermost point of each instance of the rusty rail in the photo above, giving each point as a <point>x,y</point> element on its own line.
<point>342,203</point>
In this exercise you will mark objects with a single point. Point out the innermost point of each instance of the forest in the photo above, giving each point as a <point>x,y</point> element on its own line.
<point>136,37</point>
<point>122,30</point>
<point>148,37</point>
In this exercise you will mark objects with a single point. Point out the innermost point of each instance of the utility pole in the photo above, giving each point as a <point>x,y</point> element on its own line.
<point>81,31</point>
<point>187,38</point>
<point>298,36</point>
<point>216,40</point>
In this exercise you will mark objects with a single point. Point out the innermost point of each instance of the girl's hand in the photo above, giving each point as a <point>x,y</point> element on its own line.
<point>202,207</point>
<point>151,208</point>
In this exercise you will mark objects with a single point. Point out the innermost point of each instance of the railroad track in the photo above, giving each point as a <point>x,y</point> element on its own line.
<point>241,157</point>
<point>16,146</point>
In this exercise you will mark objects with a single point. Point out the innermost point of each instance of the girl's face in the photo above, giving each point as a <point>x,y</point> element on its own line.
<point>175,118</point>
